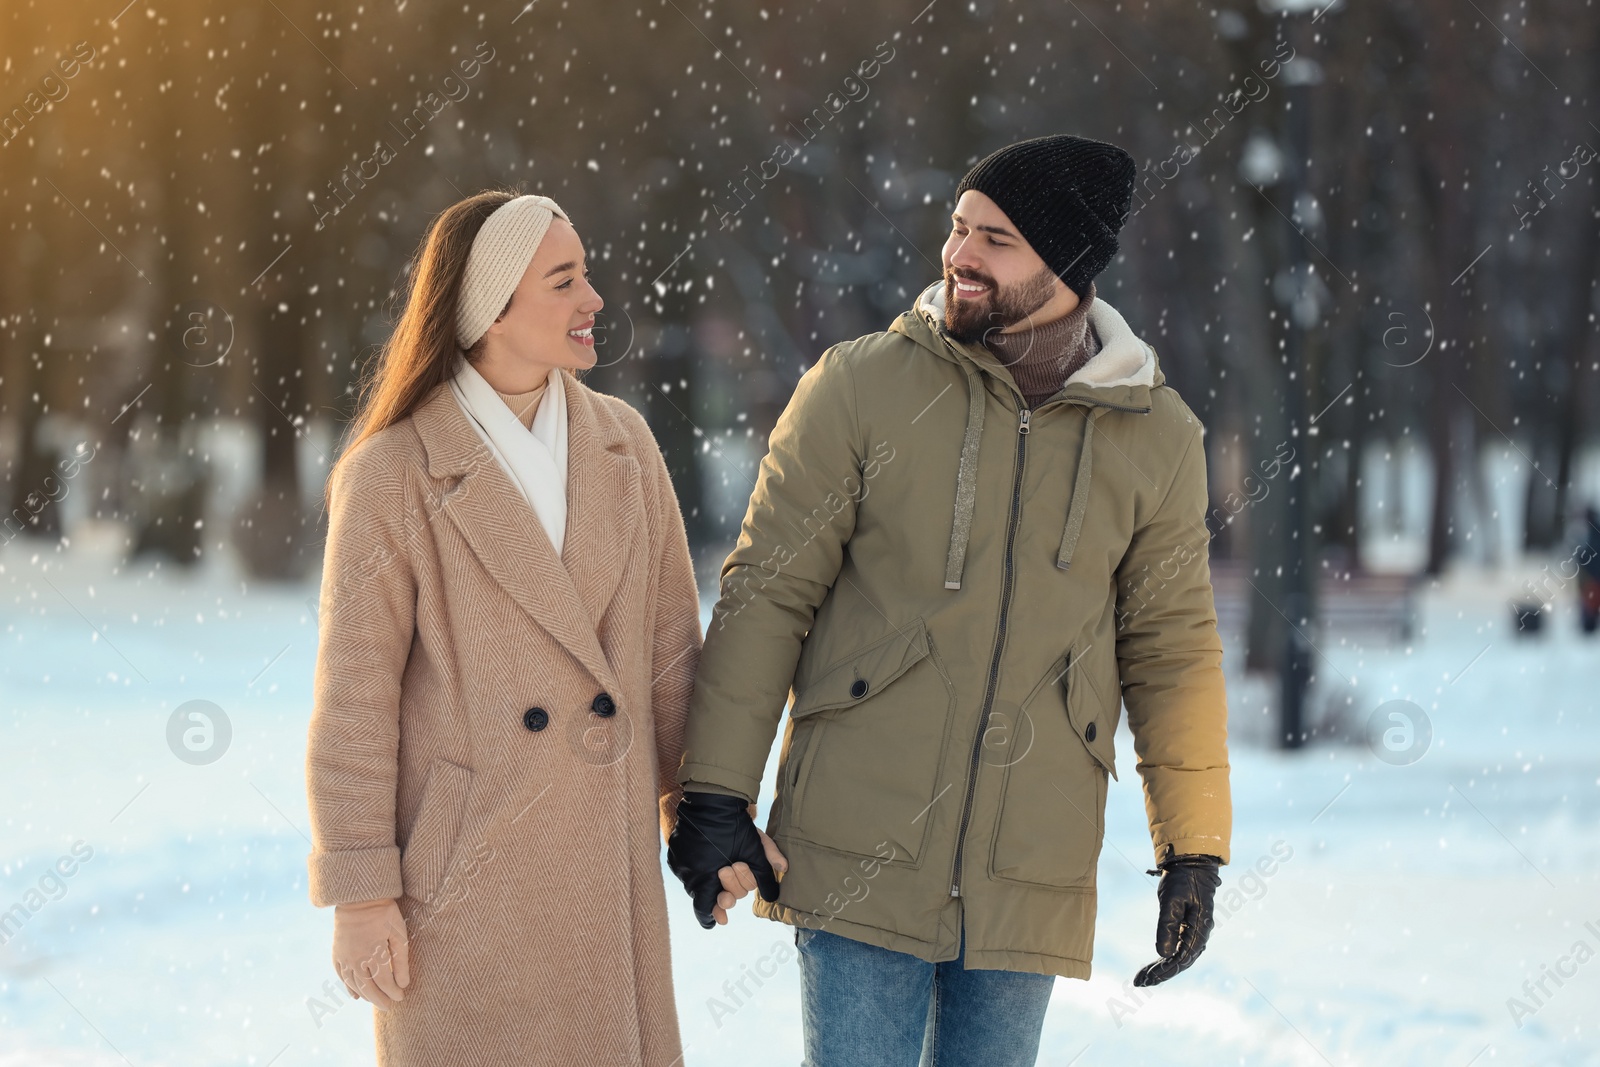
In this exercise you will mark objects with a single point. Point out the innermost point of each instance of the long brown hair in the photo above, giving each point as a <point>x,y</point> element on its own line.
<point>421,353</point>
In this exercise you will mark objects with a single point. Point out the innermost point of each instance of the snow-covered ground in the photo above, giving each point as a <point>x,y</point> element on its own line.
<point>1404,905</point>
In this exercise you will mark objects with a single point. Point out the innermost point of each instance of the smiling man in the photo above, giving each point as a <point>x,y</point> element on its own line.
<point>974,538</point>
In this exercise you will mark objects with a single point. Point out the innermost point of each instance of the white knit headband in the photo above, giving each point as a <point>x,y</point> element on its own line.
<point>500,256</point>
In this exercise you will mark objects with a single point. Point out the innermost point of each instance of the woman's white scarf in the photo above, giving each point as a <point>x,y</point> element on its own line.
<point>536,460</point>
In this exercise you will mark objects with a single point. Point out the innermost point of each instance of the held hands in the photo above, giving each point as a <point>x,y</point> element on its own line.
<point>370,951</point>
<point>719,855</point>
<point>1188,886</point>
<point>737,881</point>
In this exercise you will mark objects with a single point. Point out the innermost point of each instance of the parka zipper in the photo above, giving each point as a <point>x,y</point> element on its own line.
<point>999,648</point>
<point>1000,633</point>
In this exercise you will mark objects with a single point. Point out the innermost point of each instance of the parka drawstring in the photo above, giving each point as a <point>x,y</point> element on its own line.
<point>1080,492</point>
<point>967,484</point>
<point>966,479</point>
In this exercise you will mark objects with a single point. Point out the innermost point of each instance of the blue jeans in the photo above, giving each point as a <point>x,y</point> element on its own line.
<point>866,1006</point>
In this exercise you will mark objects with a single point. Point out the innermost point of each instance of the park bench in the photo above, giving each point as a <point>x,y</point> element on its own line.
<point>1349,602</point>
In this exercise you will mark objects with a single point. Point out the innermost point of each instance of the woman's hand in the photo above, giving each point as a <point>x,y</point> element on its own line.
<point>738,881</point>
<point>370,951</point>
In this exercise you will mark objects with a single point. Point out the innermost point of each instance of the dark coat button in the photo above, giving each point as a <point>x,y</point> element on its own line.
<point>604,706</point>
<point>536,719</point>
<point>859,689</point>
<point>1089,732</point>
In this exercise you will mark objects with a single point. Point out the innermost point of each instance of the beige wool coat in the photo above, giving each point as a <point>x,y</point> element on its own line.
<point>495,733</point>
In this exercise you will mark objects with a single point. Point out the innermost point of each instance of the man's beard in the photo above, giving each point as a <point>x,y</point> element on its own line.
<point>971,320</point>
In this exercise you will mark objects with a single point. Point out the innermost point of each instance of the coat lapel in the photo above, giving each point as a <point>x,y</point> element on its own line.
<point>604,505</point>
<point>567,596</point>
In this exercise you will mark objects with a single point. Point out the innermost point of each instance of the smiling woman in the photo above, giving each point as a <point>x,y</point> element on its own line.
<point>508,605</point>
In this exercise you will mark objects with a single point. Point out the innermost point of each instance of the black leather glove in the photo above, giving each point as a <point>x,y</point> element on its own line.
<point>1188,887</point>
<point>716,831</point>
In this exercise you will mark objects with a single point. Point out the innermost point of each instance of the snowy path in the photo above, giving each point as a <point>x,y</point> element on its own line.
<point>1406,904</point>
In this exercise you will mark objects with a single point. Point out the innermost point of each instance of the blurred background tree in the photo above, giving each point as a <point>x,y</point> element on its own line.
<point>1380,250</point>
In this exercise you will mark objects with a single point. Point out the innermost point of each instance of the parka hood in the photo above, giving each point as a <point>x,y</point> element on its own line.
<point>1119,376</point>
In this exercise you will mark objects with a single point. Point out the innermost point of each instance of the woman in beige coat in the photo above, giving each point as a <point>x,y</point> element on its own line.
<point>509,632</point>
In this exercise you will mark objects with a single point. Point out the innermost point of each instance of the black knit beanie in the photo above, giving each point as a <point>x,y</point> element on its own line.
<point>1068,196</point>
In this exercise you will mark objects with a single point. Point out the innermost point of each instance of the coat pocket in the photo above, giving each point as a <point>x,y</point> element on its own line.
<point>428,849</point>
<point>867,744</point>
<point>1051,819</point>
<point>1094,706</point>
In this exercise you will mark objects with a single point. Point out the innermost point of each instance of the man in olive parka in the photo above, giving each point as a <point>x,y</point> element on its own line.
<point>975,537</point>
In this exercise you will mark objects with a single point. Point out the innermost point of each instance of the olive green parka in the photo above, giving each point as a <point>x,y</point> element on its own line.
<point>960,594</point>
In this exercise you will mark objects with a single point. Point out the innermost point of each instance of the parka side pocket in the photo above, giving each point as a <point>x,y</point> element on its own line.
<point>867,746</point>
<point>1094,722</point>
<point>1051,818</point>
<point>426,854</point>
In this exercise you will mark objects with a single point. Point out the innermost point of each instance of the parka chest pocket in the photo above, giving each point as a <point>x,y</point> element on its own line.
<point>868,742</point>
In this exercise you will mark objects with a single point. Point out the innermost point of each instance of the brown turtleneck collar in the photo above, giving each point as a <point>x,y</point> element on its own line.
<point>1042,358</point>
<point>525,405</point>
